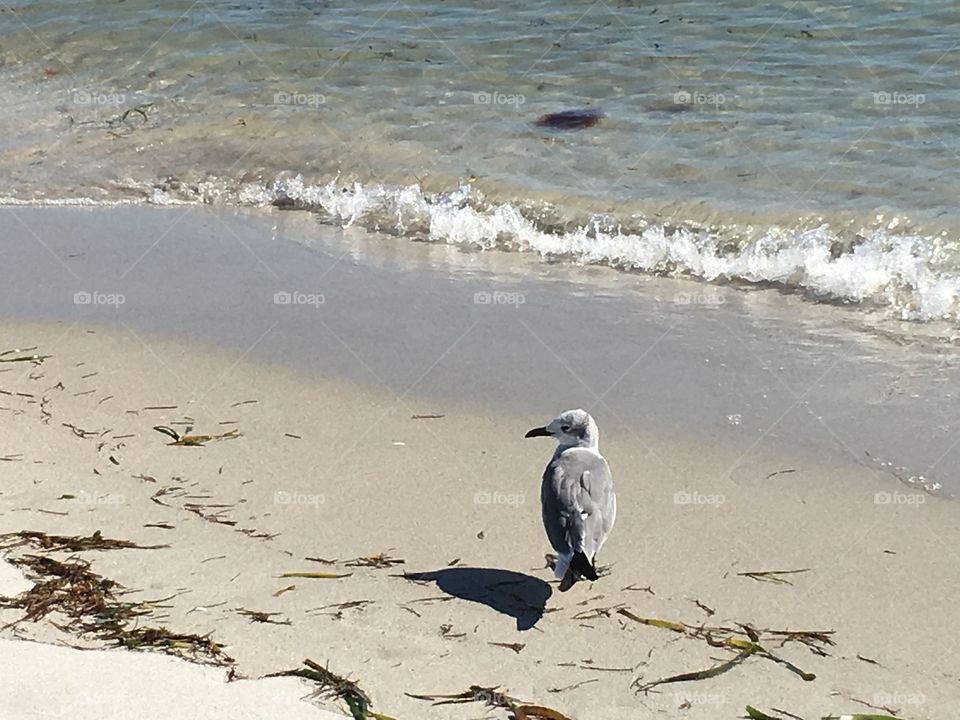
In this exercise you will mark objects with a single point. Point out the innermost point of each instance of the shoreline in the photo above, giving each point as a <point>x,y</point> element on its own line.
<point>414,490</point>
<point>847,263</point>
<point>666,358</point>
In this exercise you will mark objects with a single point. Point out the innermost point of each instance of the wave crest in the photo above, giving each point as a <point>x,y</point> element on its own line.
<point>877,267</point>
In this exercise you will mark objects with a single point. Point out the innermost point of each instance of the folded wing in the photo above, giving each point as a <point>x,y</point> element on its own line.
<point>579,507</point>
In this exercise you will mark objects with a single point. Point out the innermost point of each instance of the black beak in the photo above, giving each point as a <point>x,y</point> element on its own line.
<point>538,432</point>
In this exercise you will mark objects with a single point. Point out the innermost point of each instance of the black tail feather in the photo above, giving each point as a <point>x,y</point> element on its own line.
<point>569,578</point>
<point>583,566</point>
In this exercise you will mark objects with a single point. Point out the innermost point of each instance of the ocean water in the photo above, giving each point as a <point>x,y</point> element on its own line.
<point>808,145</point>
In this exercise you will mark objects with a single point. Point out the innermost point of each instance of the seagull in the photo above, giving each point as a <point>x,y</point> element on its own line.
<point>577,497</point>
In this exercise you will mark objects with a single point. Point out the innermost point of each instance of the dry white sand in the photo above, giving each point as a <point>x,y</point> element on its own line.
<point>326,470</point>
<point>44,681</point>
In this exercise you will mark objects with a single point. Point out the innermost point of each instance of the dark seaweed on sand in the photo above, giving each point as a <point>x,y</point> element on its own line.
<point>189,440</point>
<point>69,588</point>
<point>91,603</point>
<point>73,543</point>
<point>772,576</point>
<point>258,616</point>
<point>493,697</point>
<point>381,560</point>
<point>9,356</point>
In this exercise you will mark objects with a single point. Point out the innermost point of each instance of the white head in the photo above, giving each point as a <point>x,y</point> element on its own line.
<point>572,428</point>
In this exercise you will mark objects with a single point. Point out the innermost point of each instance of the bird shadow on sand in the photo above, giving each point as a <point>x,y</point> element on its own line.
<point>522,597</point>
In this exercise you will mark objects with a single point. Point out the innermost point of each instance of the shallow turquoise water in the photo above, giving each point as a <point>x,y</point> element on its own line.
<point>741,117</point>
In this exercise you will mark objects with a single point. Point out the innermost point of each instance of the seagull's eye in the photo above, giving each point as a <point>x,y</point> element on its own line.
<point>565,428</point>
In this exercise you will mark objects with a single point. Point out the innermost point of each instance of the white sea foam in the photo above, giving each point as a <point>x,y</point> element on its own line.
<point>907,274</point>
<point>10,201</point>
<point>898,271</point>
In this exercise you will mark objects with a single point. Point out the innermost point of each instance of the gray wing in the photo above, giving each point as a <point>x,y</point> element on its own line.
<point>579,505</point>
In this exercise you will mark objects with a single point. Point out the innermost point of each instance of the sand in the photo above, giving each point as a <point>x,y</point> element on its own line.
<point>457,495</point>
<point>45,681</point>
<point>329,469</point>
<point>665,358</point>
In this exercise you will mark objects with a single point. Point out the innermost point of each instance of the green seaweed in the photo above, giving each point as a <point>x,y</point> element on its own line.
<point>330,684</point>
<point>732,638</point>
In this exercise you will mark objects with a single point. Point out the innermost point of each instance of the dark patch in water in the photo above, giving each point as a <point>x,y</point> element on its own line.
<point>570,119</point>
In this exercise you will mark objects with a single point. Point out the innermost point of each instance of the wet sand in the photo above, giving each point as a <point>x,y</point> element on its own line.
<point>331,464</point>
<point>745,369</point>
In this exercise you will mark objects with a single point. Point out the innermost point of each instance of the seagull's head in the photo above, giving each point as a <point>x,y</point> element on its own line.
<point>572,428</point>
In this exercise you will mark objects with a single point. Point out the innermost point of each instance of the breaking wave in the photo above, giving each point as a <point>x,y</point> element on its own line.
<point>904,273</point>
